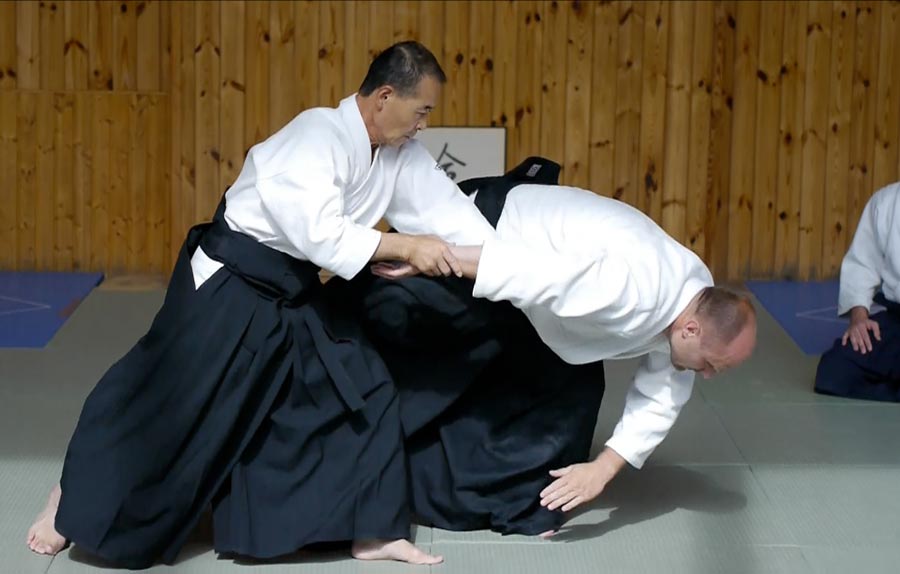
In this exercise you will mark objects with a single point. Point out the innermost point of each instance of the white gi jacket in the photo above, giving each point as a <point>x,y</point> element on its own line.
<point>314,190</point>
<point>873,260</point>
<point>599,280</point>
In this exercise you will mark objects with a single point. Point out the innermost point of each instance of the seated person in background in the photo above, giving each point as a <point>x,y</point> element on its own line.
<point>869,366</point>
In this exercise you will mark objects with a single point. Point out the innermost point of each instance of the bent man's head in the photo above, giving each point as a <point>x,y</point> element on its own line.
<point>401,88</point>
<point>717,331</point>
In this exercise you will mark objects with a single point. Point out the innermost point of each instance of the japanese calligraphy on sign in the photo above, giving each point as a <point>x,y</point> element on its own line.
<point>464,153</point>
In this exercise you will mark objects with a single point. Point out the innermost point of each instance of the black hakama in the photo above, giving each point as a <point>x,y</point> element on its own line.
<point>255,394</point>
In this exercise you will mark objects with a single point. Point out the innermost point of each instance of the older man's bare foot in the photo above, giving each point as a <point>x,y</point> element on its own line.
<point>42,536</point>
<point>400,550</point>
<point>548,534</point>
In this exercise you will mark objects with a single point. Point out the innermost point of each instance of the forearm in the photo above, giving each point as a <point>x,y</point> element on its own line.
<point>609,463</point>
<point>468,256</point>
<point>393,247</point>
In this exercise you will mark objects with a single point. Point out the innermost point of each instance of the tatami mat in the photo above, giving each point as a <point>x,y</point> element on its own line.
<point>759,475</point>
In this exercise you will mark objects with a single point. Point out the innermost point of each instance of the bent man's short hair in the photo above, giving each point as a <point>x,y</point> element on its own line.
<point>402,66</point>
<point>726,310</point>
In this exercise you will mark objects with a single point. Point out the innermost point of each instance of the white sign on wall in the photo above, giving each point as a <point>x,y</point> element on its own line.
<point>465,152</point>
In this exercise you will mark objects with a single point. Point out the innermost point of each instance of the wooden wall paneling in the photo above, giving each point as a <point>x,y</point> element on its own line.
<point>653,108</point>
<point>149,49</point>
<point>677,132</point>
<point>139,231</point>
<point>119,183</point>
<point>292,68</point>
<point>100,46</point>
<point>52,44</point>
<point>579,50</point>
<point>743,176</point>
<point>887,122</point>
<point>356,55</point>
<point>768,105</point>
<point>75,51</point>
<point>626,148</point>
<point>699,186</point>
<point>505,80</point>
<point>256,89</point>
<point>28,47</point>
<point>8,175</point>
<point>232,91</point>
<point>63,206</point>
<point>862,110</point>
<point>717,218</point>
<point>837,181</point>
<point>553,89</point>
<point>8,52</point>
<point>125,38</point>
<point>481,61</point>
<point>44,181</point>
<point>453,60</point>
<point>184,130</point>
<point>82,179</point>
<point>208,92</point>
<point>815,127</point>
<point>100,180</point>
<point>526,120</point>
<point>331,54</point>
<point>603,98</point>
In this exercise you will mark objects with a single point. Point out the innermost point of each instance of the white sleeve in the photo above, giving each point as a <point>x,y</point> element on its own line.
<point>305,202</point>
<point>427,202</point>
<point>861,269</point>
<point>655,398</point>
<point>567,285</point>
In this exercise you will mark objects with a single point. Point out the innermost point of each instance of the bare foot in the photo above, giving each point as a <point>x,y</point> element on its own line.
<point>42,536</point>
<point>548,534</point>
<point>401,550</point>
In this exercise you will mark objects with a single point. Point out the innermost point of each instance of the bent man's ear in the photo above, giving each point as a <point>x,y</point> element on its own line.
<point>691,329</point>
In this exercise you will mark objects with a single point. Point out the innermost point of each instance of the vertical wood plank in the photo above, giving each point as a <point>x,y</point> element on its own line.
<point>677,120</point>
<point>331,53</point>
<point>185,128</point>
<point>403,22</point>
<point>8,174</point>
<point>481,63</point>
<point>356,56</point>
<point>628,102</point>
<point>159,238</point>
<point>76,59</point>
<point>430,27</point>
<point>207,55</point>
<point>52,41</point>
<point>26,181</point>
<point>653,107</point>
<point>503,106</point>
<point>887,123</point>
<point>717,218</point>
<point>44,181</point>
<point>790,157</point>
<point>307,51</point>
<point>699,188</point>
<point>578,94</point>
<point>82,179</point>
<point>232,91</point>
<point>28,48</point>
<point>453,60</point>
<point>744,131</point>
<point>139,236</point>
<point>527,122</point>
<point>290,74</point>
<point>119,182</point>
<point>8,51</point>
<point>838,139</point>
<point>815,126</point>
<point>148,46</point>
<point>125,37</point>
<point>100,47</point>
<point>258,48</point>
<point>768,101</point>
<point>603,98</point>
<point>862,113</point>
<point>553,109</point>
<point>63,207</point>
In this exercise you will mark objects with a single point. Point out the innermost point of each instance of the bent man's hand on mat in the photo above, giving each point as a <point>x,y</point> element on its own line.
<point>858,331</point>
<point>580,483</point>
